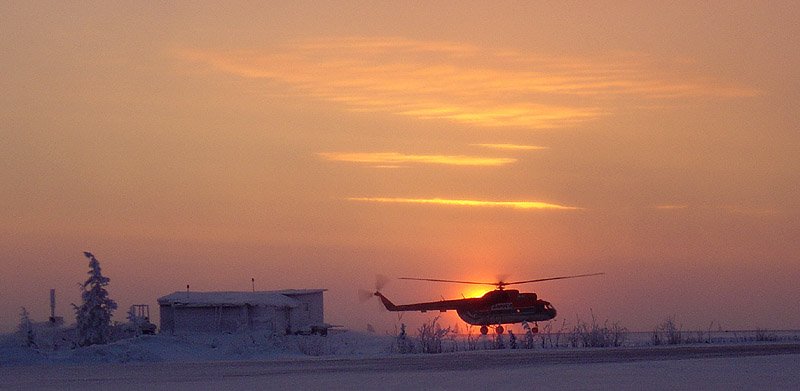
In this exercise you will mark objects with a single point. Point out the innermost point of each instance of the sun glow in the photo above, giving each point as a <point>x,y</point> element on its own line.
<point>475,291</point>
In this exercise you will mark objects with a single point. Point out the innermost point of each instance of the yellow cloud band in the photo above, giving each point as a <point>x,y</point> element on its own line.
<point>474,203</point>
<point>511,147</point>
<point>394,158</point>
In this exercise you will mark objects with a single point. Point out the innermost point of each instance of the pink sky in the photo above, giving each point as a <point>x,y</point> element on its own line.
<point>313,145</point>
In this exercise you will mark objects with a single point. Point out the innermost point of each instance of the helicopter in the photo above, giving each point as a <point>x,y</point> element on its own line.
<point>495,308</point>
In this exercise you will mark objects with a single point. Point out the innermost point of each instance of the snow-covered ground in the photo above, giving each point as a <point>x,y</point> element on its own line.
<point>350,360</point>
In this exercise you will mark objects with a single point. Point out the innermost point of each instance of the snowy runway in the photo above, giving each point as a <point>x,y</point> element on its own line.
<point>722,367</point>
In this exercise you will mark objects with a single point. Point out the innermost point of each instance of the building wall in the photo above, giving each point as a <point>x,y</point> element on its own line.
<point>268,318</point>
<point>309,313</point>
<point>232,319</point>
<point>177,319</point>
<point>167,324</point>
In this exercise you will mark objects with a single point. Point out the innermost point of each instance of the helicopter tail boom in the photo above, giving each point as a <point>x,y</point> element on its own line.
<point>441,306</point>
<point>386,302</point>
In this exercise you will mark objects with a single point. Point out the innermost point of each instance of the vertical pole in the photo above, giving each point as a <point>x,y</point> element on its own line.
<point>52,306</point>
<point>253,280</point>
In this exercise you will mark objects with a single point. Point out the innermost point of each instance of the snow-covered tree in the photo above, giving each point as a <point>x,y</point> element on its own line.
<point>26,328</point>
<point>94,315</point>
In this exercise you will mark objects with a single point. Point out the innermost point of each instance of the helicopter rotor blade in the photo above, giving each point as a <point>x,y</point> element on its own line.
<point>552,278</point>
<point>452,281</point>
<point>500,283</point>
<point>501,280</point>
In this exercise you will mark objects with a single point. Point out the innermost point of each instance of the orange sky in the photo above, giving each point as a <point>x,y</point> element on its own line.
<point>316,145</point>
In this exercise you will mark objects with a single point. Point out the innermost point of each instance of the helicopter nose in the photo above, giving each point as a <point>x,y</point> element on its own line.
<point>552,312</point>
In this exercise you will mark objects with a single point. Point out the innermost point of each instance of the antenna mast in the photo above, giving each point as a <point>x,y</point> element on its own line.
<point>52,305</point>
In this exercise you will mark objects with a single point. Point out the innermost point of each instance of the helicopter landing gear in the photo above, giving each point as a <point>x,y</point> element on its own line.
<point>499,330</point>
<point>484,330</point>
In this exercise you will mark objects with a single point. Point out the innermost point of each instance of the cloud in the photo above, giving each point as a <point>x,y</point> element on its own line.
<point>672,206</point>
<point>470,203</point>
<point>458,82</point>
<point>511,147</point>
<point>393,159</point>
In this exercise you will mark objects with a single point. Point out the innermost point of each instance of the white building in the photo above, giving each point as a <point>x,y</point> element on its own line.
<point>286,311</point>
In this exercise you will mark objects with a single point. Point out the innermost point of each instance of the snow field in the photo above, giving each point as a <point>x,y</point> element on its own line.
<point>774,366</point>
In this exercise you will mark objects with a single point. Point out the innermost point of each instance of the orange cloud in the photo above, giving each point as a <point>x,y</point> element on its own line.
<point>472,203</point>
<point>672,206</point>
<point>458,82</point>
<point>392,159</point>
<point>510,147</point>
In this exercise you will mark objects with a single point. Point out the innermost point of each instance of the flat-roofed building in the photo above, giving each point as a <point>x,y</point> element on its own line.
<point>285,311</point>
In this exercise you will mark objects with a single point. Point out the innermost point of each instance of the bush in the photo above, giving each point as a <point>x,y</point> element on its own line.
<point>499,341</point>
<point>430,336</point>
<point>472,340</point>
<point>764,336</point>
<point>669,333</point>
<point>550,338</point>
<point>529,336</point>
<point>594,335</point>
<point>401,343</point>
<point>701,335</point>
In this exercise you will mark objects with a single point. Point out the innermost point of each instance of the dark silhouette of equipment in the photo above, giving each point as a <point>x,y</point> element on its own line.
<point>139,317</point>
<point>497,307</point>
<point>54,320</point>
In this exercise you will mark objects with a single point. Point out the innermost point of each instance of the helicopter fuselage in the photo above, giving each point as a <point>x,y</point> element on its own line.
<point>500,306</point>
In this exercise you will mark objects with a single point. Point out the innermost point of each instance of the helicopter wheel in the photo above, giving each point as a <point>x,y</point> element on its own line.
<point>499,330</point>
<point>484,330</point>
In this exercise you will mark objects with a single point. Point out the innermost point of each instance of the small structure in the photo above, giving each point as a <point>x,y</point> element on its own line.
<point>139,319</point>
<point>292,311</point>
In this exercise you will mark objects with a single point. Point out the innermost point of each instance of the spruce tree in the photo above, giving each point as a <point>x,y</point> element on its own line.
<point>94,315</point>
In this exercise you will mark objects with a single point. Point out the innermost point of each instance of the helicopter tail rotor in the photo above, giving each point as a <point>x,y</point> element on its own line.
<point>380,282</point>
<point>365,295</point>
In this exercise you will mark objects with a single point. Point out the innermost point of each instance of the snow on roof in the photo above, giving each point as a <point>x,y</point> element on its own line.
<point>297,292</point>
<point>200,299</point>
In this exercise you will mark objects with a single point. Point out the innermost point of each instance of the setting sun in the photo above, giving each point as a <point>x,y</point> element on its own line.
<point>474,291</point>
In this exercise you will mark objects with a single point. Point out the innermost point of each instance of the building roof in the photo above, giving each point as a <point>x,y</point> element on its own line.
<point>298,292</point>
<point>204,299</point>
